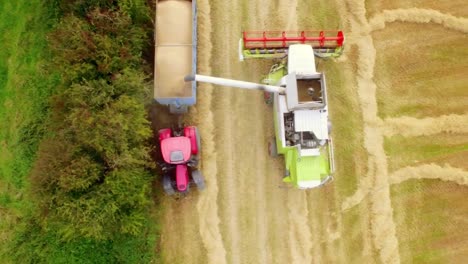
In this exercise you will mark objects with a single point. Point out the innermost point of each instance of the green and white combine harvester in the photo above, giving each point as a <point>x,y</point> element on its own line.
<point>299,97</point>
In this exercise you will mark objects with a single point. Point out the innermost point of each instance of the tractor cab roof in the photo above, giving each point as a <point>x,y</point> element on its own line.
<point>176,150</point>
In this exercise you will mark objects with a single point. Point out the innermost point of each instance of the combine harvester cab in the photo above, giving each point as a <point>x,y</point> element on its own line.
<point>175,54</point>
<point>299,92</point>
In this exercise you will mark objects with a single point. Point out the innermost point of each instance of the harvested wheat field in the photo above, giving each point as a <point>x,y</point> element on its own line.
<point>398,103</point>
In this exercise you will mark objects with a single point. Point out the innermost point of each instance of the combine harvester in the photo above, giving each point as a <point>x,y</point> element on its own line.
<point>299,93</point>
<point>175,56</point>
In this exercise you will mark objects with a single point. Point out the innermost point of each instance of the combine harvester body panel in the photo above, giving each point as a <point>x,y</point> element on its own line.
<point>175,53</point>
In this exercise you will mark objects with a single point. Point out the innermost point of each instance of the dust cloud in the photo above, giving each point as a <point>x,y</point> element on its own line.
<point>419,15</point>
<point>430,171</point>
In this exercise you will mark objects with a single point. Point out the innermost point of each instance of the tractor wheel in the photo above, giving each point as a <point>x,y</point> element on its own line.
<point>198,179</point>
<point>272,150</point>
<point>164,133</point>
<point>167,185</point>
<point>268,98</point>
<point>197,135</point>
<point>193,162</point>
<point>192,133</point>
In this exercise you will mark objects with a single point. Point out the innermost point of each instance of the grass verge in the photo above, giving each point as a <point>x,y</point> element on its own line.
<point>25,88</point>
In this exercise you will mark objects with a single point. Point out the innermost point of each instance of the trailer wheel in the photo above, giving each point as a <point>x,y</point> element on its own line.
<point>167,185</point>
<point>198,179</point>
<point>272,150</point>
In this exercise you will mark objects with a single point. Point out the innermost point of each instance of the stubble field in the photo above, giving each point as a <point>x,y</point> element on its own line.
<point>398,102</point>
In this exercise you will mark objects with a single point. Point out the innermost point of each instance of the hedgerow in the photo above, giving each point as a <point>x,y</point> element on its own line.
<point>91,181</point>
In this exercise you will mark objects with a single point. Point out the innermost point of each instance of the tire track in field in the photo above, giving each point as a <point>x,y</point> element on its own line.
<point>354,31</point>
<point>223,109</point>
<point>411,127</point>
<point>315,228</point>
<point>251,148</point>
<point>259,152</point>
<point>247,121</point>
<point>418,15</point>
<point>207,205</point>
<point>300,238</point>
<point>383,228</point>
<point>430,171</point>
<point>276,15</point>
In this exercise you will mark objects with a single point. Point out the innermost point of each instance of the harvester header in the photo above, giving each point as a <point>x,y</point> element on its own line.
<point>275,44</point>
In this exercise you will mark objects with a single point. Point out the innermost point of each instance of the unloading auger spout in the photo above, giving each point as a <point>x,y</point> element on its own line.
<point>235,83</point>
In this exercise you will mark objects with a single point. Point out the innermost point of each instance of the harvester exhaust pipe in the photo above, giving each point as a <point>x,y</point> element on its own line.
<point>234,83</point>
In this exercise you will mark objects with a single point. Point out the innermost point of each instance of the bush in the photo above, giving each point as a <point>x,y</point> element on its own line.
<point>98,47</point>
<point>34,244</point>
<point>92,177</point>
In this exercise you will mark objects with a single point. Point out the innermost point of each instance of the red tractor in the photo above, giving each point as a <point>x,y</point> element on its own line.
<point>180,151</point>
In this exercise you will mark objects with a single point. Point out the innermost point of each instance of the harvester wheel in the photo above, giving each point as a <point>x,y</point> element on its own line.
<point>167,185</point>
<point>272,150</point>
<point>198,179</point>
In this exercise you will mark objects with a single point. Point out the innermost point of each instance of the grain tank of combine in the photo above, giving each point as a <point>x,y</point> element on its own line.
<point>175,53</point>
<point>300,106</point>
